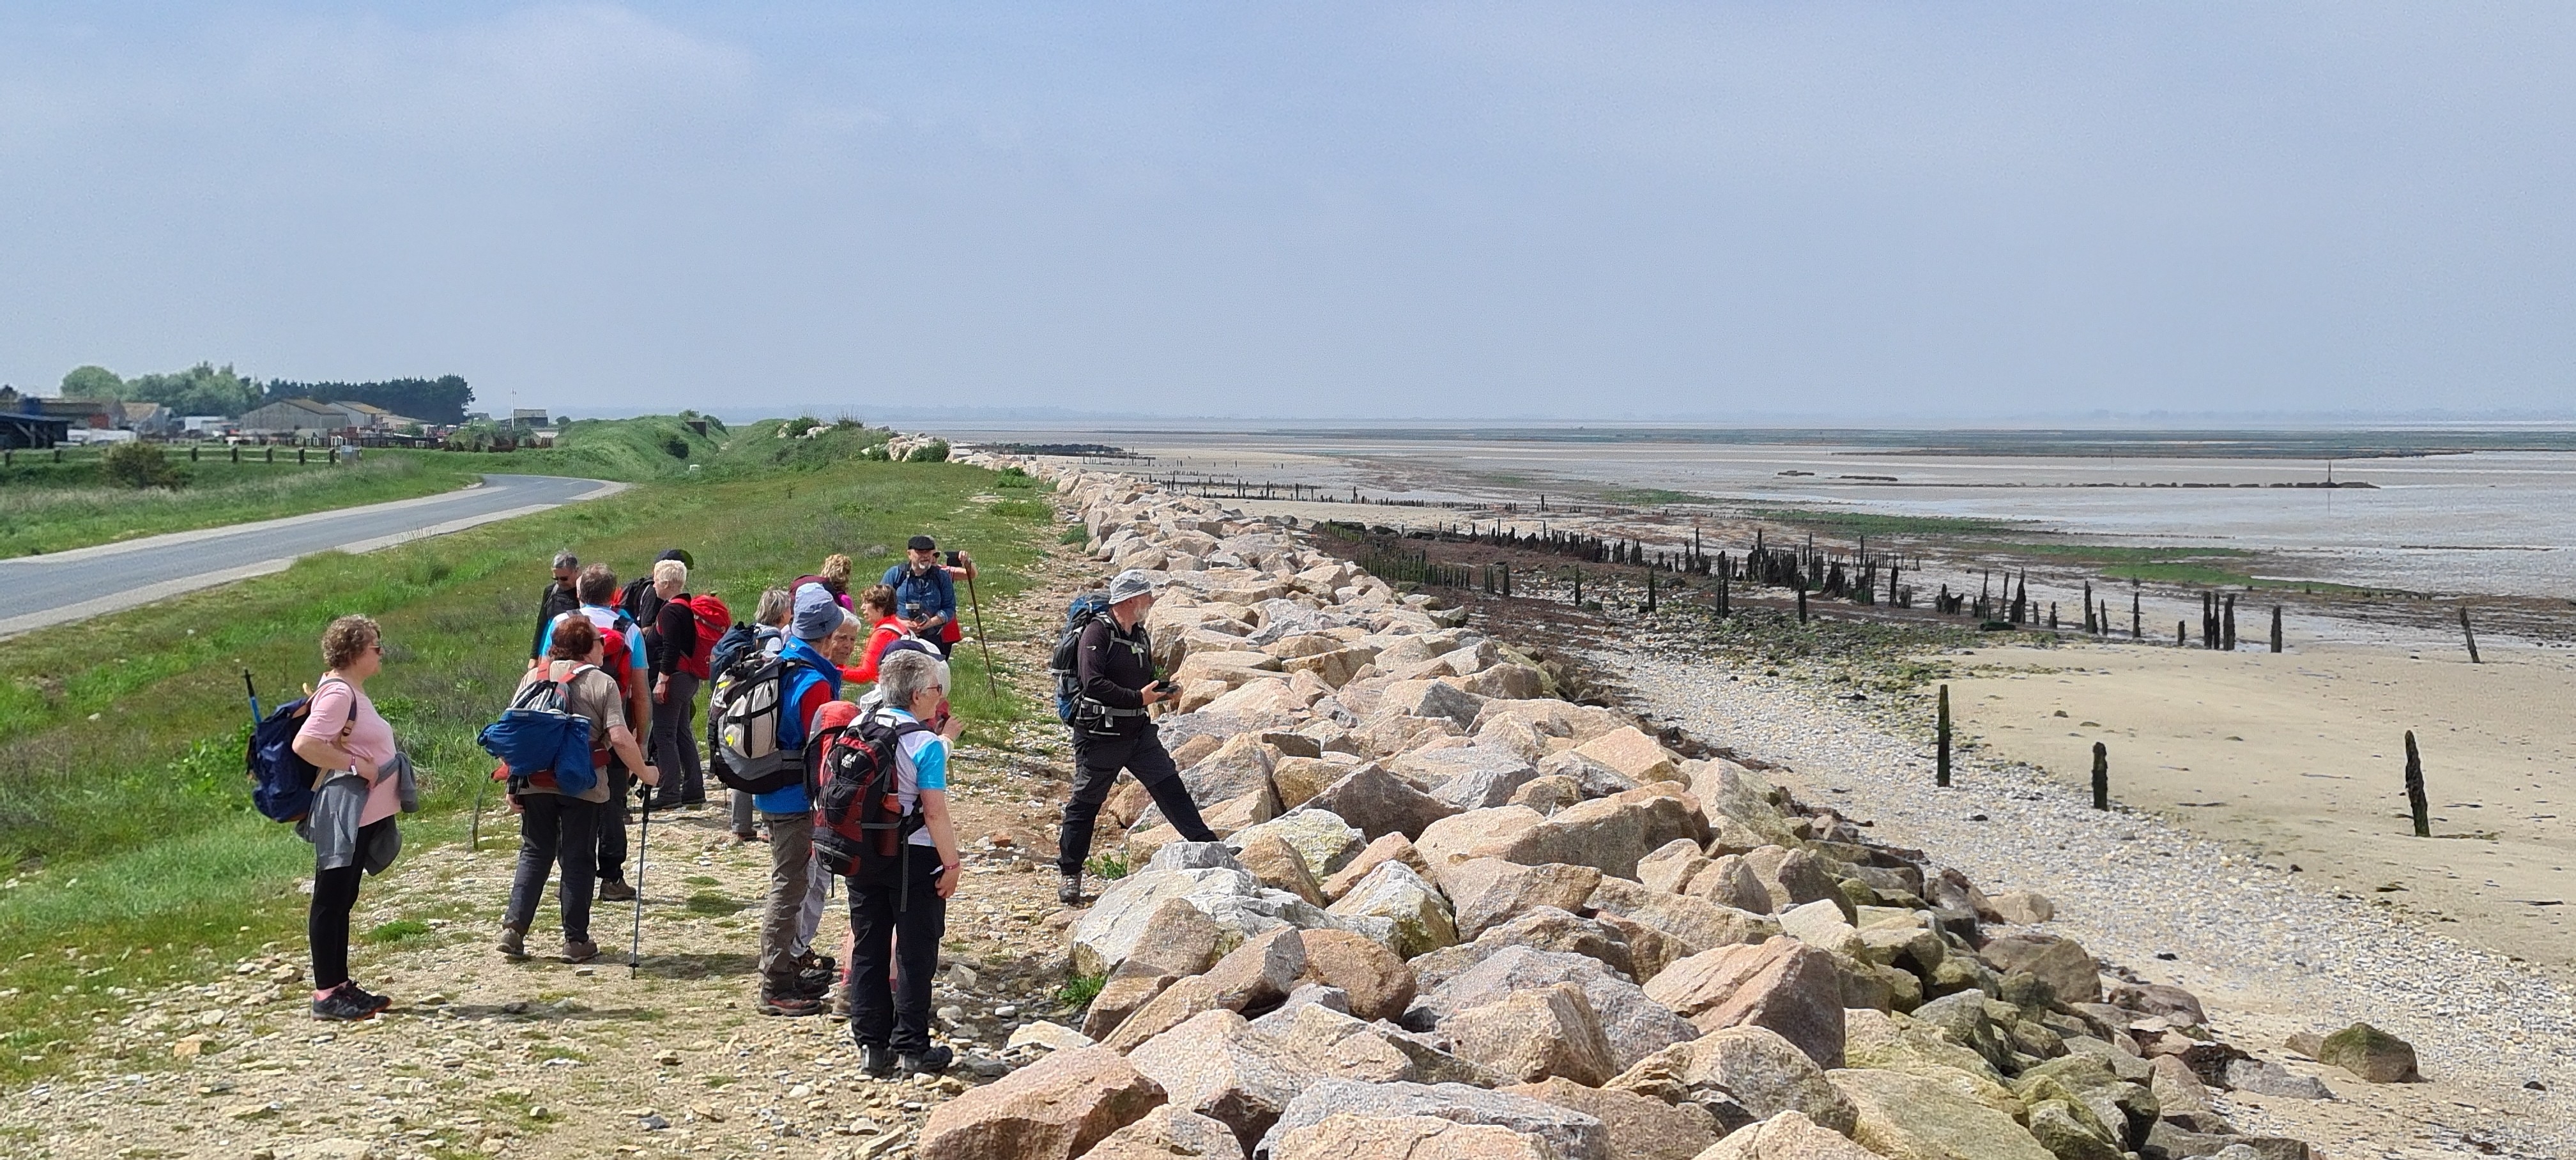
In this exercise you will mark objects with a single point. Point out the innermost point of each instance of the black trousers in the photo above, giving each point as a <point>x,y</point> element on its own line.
<point>896,927</point>
<point>612,822</point>
<point>554,829</point>
<point>1097,760</point>
<point>326,921</point>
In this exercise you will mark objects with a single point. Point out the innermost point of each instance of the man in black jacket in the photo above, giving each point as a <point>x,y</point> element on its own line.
<point>559,599</point>
<point>1115,667</point>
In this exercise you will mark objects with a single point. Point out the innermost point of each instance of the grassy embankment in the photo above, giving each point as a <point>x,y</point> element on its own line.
<point>135,860</point>
<point>54,507</point>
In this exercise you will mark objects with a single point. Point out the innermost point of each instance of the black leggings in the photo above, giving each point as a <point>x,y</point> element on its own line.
<point>326,924</point>
<point>1097,760</point>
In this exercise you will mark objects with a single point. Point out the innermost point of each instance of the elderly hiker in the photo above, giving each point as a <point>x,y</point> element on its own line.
<point>559,598</point>
<point>556,828</point>
<point>672,635</point>
<point>365,781</point>
<point>876,609</point>
<point>898,923</point>
<point>1114,668</point>
<point>925,592</point>
<point>624,661</point>
<point>813,681</point>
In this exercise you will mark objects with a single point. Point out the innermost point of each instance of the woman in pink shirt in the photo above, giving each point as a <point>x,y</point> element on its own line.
<point>352,745</point>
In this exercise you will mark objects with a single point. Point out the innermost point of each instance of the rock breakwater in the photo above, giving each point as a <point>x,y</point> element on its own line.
<point>1453,914</point>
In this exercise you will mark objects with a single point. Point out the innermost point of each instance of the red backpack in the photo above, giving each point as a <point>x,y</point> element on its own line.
<point>613,649</point>
<point>860,824</point>
<point>713,619</point>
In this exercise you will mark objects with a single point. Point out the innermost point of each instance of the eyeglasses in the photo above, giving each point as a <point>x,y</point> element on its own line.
<point>378,647</point>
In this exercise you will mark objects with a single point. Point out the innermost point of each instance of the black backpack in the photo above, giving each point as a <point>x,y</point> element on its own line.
<point>861,826</point>
<point>1063,662</point>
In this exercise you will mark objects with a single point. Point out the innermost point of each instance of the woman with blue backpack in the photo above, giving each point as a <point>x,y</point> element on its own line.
<point>360,785</point>
<point>561,809</point>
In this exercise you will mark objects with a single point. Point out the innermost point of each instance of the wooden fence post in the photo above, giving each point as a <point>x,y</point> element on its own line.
<point>2101,776</point>
<point>2276,628</point>
<point>1941,742</point>
<point>2471,634</point>
<point>2415,802</point>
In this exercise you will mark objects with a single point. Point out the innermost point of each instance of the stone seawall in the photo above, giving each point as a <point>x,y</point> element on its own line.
<point>1452,915</point>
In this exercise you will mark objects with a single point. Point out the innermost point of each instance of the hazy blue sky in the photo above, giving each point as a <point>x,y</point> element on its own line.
<point>1583,210</point>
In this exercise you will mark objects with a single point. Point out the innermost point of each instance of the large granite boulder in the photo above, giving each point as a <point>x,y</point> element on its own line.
<point>1169,1133</point>
<point>1633,1023</point>
<point>1215,1065</point>
<point>1532,1035</point>
<point>1787,1136</point>
<point>1568,1134</point>
<point>1484,892</point>
<point>1782,984</point>
<point>1693,924</point>
<point>1641,1127</point>
<point>1054,1109</point>
<point>1902,1116</point>
<point>1761,1072</point>
<point>1379,803</point>
<point>1419,916</point>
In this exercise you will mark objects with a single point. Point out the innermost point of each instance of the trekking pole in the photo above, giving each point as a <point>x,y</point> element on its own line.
<point>977,606</point>
<point>643,841</point>
<point>253,690</point>
<point>474,832</point>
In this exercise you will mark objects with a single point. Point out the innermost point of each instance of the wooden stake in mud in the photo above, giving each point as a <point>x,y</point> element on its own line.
<point>2101,776</point>
<point>1802,602</point>
<point>2471,634</point>
<point>1650,591</point>
<point>2276,628</point>
<point>1722,584</point>
<point>2137,620</point>
<point>2182,635</point>
<point>2415,802</point>
<point>1941,742</point>
<point>2229,624</point>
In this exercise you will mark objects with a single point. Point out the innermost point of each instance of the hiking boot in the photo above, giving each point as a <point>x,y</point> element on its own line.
<point>514,942</point>
<point>1068,889</point>
<point>345,1004</point>
<point>616,890</point>
<point>841,1004</point>
<point>792,1006</point>
<point>579,950</point>
<point>747,837</point>
<point>374,1002</point>
<point>876,1061</point>
<point>930,1062</point>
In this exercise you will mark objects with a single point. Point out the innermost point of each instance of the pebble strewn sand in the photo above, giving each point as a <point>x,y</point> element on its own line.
<point>2267,953</point>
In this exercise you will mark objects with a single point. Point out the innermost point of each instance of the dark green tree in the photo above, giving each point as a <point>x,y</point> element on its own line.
<point>92,382</point>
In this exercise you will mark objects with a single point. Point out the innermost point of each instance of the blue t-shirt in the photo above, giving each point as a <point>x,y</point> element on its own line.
<point>603,619</point>
<point>792,725</point>
<point>921,762</point>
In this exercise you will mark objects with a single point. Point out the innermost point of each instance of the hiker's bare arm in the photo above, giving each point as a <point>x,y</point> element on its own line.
<point>324,753</point>
<point>943,834</point>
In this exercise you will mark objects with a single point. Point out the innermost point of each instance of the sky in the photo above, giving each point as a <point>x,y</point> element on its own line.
<point>1469,211</point>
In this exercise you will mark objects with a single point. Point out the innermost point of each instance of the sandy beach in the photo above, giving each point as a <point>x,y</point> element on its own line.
<point>2299,759</point>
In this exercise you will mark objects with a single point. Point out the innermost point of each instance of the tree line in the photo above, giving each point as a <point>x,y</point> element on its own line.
<point>206,389</point>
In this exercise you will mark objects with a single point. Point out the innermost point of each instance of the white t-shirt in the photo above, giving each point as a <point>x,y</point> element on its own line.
<point>920,763</point>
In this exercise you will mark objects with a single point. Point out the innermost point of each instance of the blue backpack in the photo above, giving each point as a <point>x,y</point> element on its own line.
<point>541,742</point>
<point>1077,616</point>
<point>281,782</point>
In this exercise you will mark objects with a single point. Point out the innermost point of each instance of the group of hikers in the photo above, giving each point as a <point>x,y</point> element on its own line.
<point>828,721</point>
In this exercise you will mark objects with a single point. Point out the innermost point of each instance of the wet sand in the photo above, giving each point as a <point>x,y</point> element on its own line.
<point>2300,758</point>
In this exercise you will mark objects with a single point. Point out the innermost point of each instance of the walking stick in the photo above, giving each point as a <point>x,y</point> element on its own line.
<point>643,841</point>
<point>978,607</point>
<point>474,832</point>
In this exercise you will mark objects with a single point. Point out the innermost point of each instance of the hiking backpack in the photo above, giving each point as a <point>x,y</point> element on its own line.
<point>861,826</point>
<point>743,715</point>
<point>1064,661</point>
<point>712,617</point>
<point>281,781</point>
<point>541,742</point>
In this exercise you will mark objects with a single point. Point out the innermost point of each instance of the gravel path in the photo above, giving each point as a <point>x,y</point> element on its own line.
<point>2267,953</point>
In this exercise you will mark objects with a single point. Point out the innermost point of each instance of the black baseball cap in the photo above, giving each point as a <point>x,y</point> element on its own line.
<point>922,544</point>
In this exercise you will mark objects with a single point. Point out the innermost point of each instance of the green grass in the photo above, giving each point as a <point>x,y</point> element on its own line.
<point>396,931</point>
<point>123,813</point>
<point>47,507</point>
<point>1080,990</point>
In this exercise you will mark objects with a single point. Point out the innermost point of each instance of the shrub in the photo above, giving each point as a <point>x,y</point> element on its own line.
<point>140,465</point>
<point>935,451</point>
<point>676,446</point>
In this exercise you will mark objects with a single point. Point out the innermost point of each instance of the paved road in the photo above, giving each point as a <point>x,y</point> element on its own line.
<point>85,582</point>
